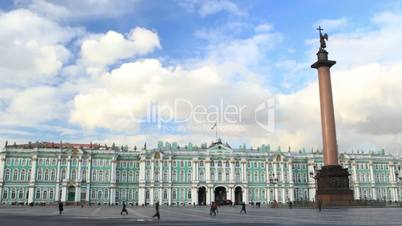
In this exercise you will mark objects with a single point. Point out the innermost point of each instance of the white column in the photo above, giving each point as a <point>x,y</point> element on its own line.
<point>193,171</point>
<point>311,180</point>
<point>79,173</point>
<point>232,171</point>
<point>243,170</point>
<point>57,195</point>
<point>245,195</point>
<point>207,170</point>
<point>170,196</point>
<point>77,193</point>
<point>68,168</point>
<point>355,181</point>
<point>113,181</point>
<point>88,179</point>
<point>31,194</point>
<point>2,166</point>
<point>290,175</point>
<point>208,191</point>
<point>372,180</point>
<point>151,196</point>
<point>141,187</point>
<point>194,198</point>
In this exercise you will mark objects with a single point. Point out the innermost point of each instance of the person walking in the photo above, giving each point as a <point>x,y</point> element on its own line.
<point>243,208</point>
<point>61,208</point>
<point>290,204</point>
<point>124,209</point>
<point>319,205</point>
<point>157,211</point>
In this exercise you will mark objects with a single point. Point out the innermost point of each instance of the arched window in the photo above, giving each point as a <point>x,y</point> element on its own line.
<point>130,176</point>
<point>124,176</point>
<point>84,175</point>
<point>219,176</point>
<point>106,193</point>
<point>147,194</point>
<point>5,194</point>
<point>164,176</point>
<point>53,175</point>
<point>93,194</point>
<point>174,175</point>
<point>165,194</point>
<point>51,194</point>
<point>15,176</point>
<point>37,194</point>
<point>99,195</point>
<point>107,175</point>
<point>118,176</point>
<point>219,163</point>
<point>44,195</point>
<point>227,176</point>
<point>156,175</point>
<point>100,176</point>
<point>181,175</point>
<point>7,177</point>
<point>46,174</point>
<point>13,195</point>
<point>20,194</point>
<point>74,175</point>
<point>189,194</point>
<point>188,176</point>
<point>174,194</point>
<point>29,175</point>
<point>23,173</point>
<point>202,177</point>
<point>39,176</point>
<point>63,174</point>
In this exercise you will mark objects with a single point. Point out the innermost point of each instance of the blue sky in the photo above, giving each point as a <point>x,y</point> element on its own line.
<point>103,61</point>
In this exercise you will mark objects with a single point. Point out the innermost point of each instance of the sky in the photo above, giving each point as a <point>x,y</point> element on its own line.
<point>136,71</point>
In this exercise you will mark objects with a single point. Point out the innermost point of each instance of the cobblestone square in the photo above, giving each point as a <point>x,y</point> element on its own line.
<point>198,216</point>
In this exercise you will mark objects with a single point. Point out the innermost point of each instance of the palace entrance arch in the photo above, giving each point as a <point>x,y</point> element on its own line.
<point>71,194</point>
<point>238,196</point>
<point>202,196</point>
<point>220,195</point>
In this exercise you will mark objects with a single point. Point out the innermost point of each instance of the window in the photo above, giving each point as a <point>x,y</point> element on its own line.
<point>219,163</point>
<point>20,194</point>
<point>227,164</point>
<point>165,194</point>
<point>45,195</point>
<point>39,176</point>
<point>212,164</point>
<point>63,174</point>
<point>147,194</point>
<point>74,175</point>
<point>174,194</point>
<point>15,176</point>
<point>174,175</point>
<point>5,194</point>
<point>51,194</point>
<point>13,194</point>
<point>7,174</point>
<point>189,194</point>
<point>23,175</point>
<point>37,194</point>
<point>189,163</point>
<point>53,175</point>
<point>237,164</point>
<point>201,163</point>
<point>181,163</point>
<point>202,176</point>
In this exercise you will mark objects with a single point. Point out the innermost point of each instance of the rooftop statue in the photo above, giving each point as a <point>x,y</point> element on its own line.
<point>323,37</point>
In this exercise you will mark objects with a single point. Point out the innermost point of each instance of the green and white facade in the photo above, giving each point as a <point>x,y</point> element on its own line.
<point>170,174</point>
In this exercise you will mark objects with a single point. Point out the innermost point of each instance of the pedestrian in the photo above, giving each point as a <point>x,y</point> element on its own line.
<point>319,205</point>
<point>243,208</point>
<point>290,204</point>
<point>157,211</point>
<point>124,209</point>
<point>211,210</point>
<point>61,208</point>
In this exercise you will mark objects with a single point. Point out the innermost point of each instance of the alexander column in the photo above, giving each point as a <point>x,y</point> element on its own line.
<point>332,180</point>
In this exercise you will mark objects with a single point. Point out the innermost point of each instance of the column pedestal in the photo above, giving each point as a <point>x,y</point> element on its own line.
<point>333,186</point>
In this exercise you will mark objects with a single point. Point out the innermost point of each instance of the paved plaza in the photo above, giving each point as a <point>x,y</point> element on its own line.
<point>33,216</point>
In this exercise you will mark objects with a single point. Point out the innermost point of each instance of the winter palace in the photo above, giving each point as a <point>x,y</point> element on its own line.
<point>43,172</point>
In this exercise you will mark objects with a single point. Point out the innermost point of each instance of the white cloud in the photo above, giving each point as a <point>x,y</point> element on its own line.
<point>331,24</point>
<point>32,106</point>
<point>101,50</point>
<point>79,10</point>
<point>28,56</point>
<point>211,7</point>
